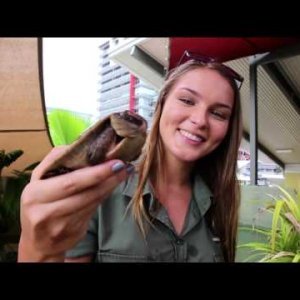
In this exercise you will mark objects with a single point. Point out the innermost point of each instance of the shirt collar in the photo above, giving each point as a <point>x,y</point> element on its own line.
<point>132,184</point>
<point>201,192</point>
<point>148,193</point>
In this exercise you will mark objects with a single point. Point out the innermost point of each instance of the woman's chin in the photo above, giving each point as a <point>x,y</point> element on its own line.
<point>188,157</point>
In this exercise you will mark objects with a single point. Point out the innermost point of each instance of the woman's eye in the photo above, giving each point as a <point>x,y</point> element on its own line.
<point>187,101</point>
<point>220,115</point>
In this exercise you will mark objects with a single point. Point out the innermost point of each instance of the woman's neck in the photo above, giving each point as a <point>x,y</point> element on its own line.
<point>175,172</point>
<point>173,190</point>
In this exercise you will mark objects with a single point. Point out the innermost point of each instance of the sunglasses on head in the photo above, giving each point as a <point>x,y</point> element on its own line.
<point>187,56</point>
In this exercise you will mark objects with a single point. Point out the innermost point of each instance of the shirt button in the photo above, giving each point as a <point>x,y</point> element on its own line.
<point>179,242</point>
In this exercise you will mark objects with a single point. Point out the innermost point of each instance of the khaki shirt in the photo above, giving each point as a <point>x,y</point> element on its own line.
<point>114,236</point>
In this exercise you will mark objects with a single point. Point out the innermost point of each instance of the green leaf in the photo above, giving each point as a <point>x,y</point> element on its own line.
<point>6,159</point>
<point>256,230</point>
<point>66,126</point>
<point>31,166</point>
<point>291,203</point>
<point>256,246</point>
<point>296,259</point>
<point>253,257</point>
<point>286,259</point>
<point>276,215</point>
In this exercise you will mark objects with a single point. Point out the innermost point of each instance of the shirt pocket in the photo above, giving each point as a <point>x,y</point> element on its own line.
<point>110,257</point>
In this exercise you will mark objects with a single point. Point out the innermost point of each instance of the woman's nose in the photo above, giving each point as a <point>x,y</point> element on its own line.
<point>199,119</point>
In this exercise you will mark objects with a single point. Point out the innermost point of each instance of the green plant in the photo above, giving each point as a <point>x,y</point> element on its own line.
<point>11,189</point>
<point>283,238</point>
<point>65,126</point>
<point>6,159</point>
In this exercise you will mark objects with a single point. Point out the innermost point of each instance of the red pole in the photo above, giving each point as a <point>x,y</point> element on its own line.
<point>132,92</point>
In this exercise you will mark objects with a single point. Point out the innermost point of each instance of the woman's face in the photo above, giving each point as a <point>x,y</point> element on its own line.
<point>196,114</point>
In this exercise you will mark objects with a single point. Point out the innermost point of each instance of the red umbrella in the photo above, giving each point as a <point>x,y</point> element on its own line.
<point>225,48</point>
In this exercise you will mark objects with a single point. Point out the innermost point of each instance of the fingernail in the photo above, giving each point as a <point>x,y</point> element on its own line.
<point>118,167</point>
<point>130,168</point>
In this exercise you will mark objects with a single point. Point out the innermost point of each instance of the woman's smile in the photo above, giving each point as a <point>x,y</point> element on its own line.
<point>190,138</point>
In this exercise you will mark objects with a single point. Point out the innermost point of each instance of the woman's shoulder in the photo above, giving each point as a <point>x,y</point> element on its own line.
<point>117,202</point>
<point>126,187</point>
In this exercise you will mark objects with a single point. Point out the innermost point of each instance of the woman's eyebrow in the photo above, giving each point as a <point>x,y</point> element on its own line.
<point>191,91</point>
<point>223,105</point>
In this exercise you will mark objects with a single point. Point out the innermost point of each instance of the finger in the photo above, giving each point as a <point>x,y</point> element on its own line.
<point>70,233</point>
<point>85,200</point>
<point>49,158</point>
<point>62,227</point>
<point>63,186</point>
<point>66,231</point>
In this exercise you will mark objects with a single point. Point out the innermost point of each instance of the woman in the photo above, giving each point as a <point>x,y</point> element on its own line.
<point>182,205</point>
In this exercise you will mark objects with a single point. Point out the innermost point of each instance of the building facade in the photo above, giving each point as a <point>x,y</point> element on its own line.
<point>120,90</point>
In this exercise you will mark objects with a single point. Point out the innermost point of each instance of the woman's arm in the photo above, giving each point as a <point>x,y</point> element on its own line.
<point>55,212</point>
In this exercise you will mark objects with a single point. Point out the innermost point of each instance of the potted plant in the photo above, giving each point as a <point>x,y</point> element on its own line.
<point>11,189</point>
<point>65,127</point>
<point>283,238</point>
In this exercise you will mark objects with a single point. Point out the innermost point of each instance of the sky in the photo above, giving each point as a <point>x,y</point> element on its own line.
<point>71,73</point>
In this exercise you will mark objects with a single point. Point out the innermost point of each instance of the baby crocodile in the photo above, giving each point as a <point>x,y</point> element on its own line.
<point>118,136</point>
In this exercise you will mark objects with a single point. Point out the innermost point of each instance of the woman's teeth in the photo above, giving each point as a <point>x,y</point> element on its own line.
<point>190,136</point>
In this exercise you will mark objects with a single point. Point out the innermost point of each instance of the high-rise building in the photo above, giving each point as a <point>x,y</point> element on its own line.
<point>121,90</point>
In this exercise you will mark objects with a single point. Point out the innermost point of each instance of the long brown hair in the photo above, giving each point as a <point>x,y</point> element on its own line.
<point>219,166</point>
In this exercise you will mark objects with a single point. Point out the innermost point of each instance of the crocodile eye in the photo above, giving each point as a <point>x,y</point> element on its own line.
<point>129,116</point>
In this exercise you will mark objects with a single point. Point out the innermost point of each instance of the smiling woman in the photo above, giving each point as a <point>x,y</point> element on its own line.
<point>181,204</point>
<point>70,67</point>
